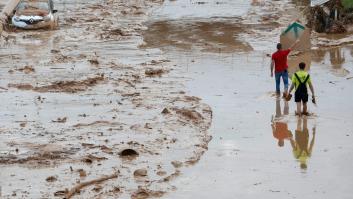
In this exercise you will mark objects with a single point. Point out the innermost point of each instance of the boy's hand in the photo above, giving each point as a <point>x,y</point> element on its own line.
<point>289,97</point>
<point>313,100</point>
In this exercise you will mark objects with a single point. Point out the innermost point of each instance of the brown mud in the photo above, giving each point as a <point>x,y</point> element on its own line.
<point>247,157</point>
<point>83,108</point>
<point>135,132</point>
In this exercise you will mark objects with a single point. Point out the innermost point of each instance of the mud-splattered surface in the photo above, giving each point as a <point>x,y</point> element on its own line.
<point>97,108</point>
<point>87,114</point>
<point>245,159</point>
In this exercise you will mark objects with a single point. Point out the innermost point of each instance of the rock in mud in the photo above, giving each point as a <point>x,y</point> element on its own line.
<point>166,111</point>
<point>140,173</point>
<point>51,179</point>
<point>129,153</point>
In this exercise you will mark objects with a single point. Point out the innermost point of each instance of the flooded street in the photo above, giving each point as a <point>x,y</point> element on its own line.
<point>245,158</point>
<point>170,99</point>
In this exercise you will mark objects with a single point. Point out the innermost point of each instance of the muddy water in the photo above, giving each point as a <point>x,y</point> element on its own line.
<point>76,97</point>
<point>260,149</point>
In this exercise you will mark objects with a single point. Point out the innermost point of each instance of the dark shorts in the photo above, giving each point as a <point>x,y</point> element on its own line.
<point>301,97</point>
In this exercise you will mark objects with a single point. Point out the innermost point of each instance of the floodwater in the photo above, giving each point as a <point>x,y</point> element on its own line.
<point>124,75</point>
<point>260,149</point>
<point>74,99</point>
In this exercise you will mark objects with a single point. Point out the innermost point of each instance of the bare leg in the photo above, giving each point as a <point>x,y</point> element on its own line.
<point>305,109</point>
<point>298,112</point>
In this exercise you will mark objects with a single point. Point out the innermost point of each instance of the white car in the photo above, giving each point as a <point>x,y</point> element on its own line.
<point>35,14</point>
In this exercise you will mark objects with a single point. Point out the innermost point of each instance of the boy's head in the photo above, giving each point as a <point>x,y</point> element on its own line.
<point>302,66</point>
<point>279,46</point>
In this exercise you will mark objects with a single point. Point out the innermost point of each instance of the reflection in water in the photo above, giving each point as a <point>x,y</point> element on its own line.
<point>280,129</point>
<point>336,57</point>
<point>301,148</point>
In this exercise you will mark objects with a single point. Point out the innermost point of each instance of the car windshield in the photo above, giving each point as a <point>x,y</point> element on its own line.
<point>33,5</point>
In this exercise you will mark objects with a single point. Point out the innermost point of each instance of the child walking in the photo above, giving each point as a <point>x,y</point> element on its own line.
<point>300,81</point>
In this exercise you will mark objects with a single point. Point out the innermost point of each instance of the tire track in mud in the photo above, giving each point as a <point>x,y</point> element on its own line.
<point>61,125</point>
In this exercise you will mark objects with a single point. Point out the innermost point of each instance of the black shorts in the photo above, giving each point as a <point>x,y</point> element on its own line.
<point>301,97</point>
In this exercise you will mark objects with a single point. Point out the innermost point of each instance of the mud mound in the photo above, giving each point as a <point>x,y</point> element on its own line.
<point>40,158</point>
<point>189,114</point>
<point>63,86</point>
<point>142,193</point>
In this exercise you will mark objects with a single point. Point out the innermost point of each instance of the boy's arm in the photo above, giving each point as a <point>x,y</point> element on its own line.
<point>272,66</point>
<point>312,89</point>
<point>291,88</point>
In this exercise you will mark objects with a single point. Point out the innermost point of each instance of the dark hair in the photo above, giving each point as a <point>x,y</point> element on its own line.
<point>279,46</point>
<point>302,65</point>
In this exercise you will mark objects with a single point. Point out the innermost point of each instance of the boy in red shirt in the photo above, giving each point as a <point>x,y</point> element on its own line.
<point>279,63</point>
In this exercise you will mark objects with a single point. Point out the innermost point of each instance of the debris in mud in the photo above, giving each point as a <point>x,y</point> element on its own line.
<point>96,123</point>
<point>97,188</point>
<point>337,27</point>
<point>60,120</point>
<point>161,173</point>
<point>26,69</point>
<point>154,72</point>
<point>177,164</point>
<point>51,179</point>
<point>166,111</point>
<point>54,51</point>
<point>171,176</point>
<point>94,61</point>
<point>60,58</point>
<point>77,188</point>
<point>330,17</point>
<point>82,173</point>
<point>129,153</point>
<point>140,173</point>
<point>62,86</point>
<point>90,158</point>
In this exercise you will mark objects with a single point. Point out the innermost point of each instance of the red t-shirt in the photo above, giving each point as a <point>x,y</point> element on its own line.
<point>280,59</point>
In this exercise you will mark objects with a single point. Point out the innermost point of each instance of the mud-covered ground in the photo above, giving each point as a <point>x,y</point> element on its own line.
<point>226,56</point>
<point>113,78</point>
<point>74,99</point>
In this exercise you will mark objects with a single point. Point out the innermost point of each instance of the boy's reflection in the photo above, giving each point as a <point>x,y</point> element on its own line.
<point>280,129</point>
<point>301,150</point>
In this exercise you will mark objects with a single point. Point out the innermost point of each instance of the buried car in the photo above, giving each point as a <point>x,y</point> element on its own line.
<point>35,14</point>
